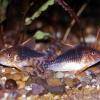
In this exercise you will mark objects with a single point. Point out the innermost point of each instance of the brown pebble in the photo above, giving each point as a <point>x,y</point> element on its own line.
<point>75,81</point>
<point>21,84</point>
<point>57,97</point>
<point>10,84</point>
<point>25,77</point>
<point>7,70</point>
<point>68,82</point>
<point>71,82</point>
<point>48,96</point>
<point>8,76</point>
<point>56,89</point>
<point>54,82</point>
<point>16,76</point>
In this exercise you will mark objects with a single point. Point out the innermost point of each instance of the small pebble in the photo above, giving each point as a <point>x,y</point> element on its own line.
<point>7,70</point>
<point>16,76</point>
<point>79,86</point>
<point>56,89</point>
<point>57,97</point>
<point>86,80</point>
<point>21,84</point>
<point>28,88</point>
<point>3,80</point>
<point>59,75</point>
<point>10,84</point>
<point>22,91</point>
<point>98,79</point>
<point>76,82</point>
<point>54,82</point>
<point>93,82</point>
<point>25,77</point>
<point>5,96</point>
<point>3,70</point>
<point>87,86</point>
<point>12,95</point>
<point>23,97</point>
<point>68,82</point>
<point>93,86</point>
<point>37,89</point>
<point>98,87</point>
<point>90,73</point>
<point>64,97</point>
<point>67,87</point>
<point>48,96</point>
<point>67,75</point>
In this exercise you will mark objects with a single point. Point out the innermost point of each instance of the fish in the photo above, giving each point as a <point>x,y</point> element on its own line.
<point>19,57</point>
<point>75,59</point>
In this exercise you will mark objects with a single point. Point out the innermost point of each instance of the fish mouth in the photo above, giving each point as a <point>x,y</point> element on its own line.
<point>5,63</point>
<point>9,64</point>
<point>96,63</point>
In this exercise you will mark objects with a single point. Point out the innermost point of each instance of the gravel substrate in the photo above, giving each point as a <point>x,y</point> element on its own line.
<point>15,85</point>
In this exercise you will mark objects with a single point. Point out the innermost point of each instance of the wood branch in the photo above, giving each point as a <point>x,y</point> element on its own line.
<point>73,21</point>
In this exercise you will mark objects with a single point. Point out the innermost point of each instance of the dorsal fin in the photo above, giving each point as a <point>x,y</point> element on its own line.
<point>29,43</point>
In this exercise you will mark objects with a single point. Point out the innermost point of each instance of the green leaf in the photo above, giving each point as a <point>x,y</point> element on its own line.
<point>39,35</point>
<point>4,3</point>
<point>3,6</point>
<point>39,11</point>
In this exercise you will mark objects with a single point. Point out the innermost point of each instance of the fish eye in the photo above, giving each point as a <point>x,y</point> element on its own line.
<point>9,55</point>
<point>93,53</point>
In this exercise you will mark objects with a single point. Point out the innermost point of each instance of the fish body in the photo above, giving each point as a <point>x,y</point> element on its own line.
<point>75,59</point>
<point>19,56</point>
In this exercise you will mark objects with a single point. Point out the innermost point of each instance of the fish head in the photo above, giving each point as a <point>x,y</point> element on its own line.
<point>7,57</point>
<point>91,57</point>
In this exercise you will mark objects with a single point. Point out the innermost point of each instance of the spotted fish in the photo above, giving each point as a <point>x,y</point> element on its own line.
<point>19,56</point>
<point>75,59</point>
